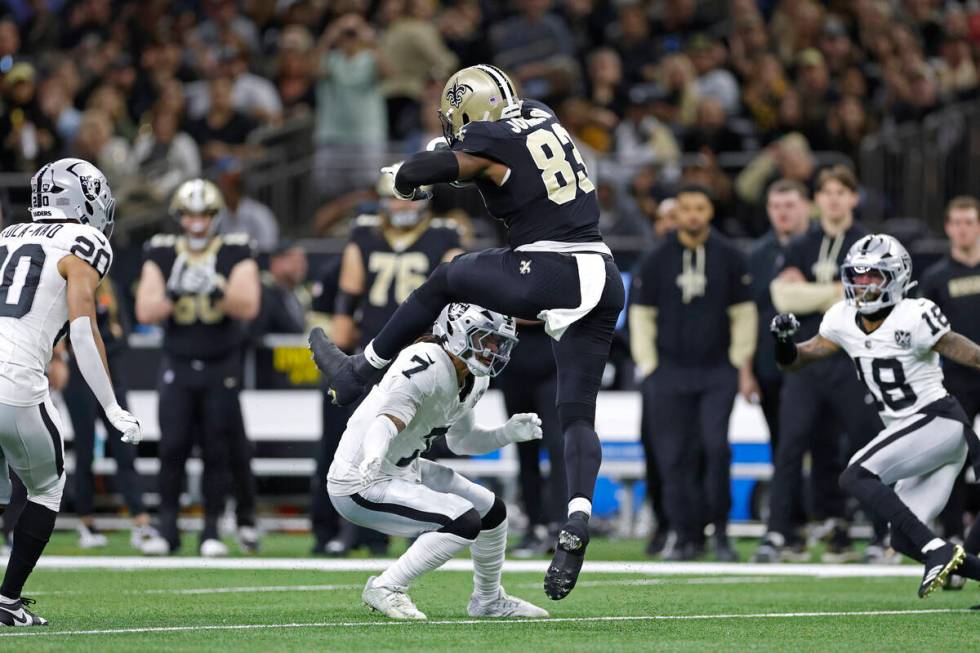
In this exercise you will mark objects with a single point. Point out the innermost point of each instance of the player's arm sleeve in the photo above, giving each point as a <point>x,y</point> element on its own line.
<point>467,438</point>
<point>425,168</point>
<point>643,318</point>
<point>743,316</point>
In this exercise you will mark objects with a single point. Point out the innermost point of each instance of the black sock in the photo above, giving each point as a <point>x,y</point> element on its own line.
<point>904,546</point>
<point>882,500</point>
<point>972,544</point>
<point>31,535</point>
<point>970,568</point>
<point>583,455</point>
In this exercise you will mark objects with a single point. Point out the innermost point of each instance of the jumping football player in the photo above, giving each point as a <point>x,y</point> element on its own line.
<point>51,268</point>
<point>895,343</point>
<point>379,481</point>
<point>557,269</point>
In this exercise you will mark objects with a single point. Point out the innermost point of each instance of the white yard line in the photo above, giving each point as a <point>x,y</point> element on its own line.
<point>41,632</point>
<point>711,580</point>
<point>460,564</point>
<point>217,590</point>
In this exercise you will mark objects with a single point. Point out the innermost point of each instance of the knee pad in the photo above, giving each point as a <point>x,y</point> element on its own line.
<point>854,474</point>
<point>495,516</point>
<point>466,526</point>
<point>51,497</point>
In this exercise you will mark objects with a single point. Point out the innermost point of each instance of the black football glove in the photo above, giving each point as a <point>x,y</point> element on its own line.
<point>784,326</point>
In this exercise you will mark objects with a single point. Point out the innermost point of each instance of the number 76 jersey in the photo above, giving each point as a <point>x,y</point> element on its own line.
<point>895,361</point>
<point>33,303</point>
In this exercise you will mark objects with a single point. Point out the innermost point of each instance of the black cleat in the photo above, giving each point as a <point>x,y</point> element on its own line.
<point>564,569</point>
<point>939,564</point>
<point>343,383</point>
<point>15,614</point>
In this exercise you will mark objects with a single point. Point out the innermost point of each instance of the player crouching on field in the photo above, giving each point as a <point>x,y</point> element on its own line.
<point>378,480</point>
<point>895,343</point>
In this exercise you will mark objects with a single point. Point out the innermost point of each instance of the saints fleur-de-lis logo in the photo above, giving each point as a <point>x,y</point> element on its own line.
<point>456,93</point>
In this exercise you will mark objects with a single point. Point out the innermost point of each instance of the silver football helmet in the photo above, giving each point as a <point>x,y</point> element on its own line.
<point>73,189</point>
<point>877,273</point>
<point>481,338</point>
<point>198,196</point>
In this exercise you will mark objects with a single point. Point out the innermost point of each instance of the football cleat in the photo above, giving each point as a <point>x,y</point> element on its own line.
<point>212,548</point>
<point>90,538</point>
<point>564,569</point>
<point>723,549</point>
<point>390,601</point>
<point>505,606</point>
<point>840,547</point>
<point>684,552</point>
<point>15,614</point>
<point>248,539</point>
<point>939,564</point>
<point>343,383</point>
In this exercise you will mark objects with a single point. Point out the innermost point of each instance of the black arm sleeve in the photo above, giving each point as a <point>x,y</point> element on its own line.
<point>785,351</point>
<point>425,168</point>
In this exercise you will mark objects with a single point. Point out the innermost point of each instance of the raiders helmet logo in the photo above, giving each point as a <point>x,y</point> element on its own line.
<point>91,187</point>
<point>903,339</point>
<point>456,310</point>
<point>455,94</point>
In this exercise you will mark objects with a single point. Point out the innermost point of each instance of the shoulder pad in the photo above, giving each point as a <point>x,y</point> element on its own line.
<point>239,239</point>
<point>444,223</point>
<point>367,220</point>
<point>90,245</point>
<point>162,240</point>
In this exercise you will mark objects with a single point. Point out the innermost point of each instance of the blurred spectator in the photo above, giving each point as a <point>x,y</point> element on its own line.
<point>678,76</point>
<point>606,88</point>
<point>709,57</point>
<point>763,95</point>
<point>705,172</point>
<point>956,69</point>
<point>836,46</point>
<point>631,36</point>
<point>847,125</point>
<point>9,42</point>
<point>537,50</point>
<point>223,17</point>
<point>294,70</point>
<point>416,52</point>
<point>223,130</point>
<point>795,26</point>
<point>28,138</point>
<point>57,106</point>
<point>813,87</point>
<point>97,142</point>
<point>42,30</point>
<point>252,95</point>
<point>112,102</point>
<point>351,125</point>
<point>616,222</point>
<point>712,130</point>
<point>592,127</point>
<point>461,27</point>
<point>749,44</point>
<point>243,214</point>
<point>641,137</point>
<point>285,302</point>
<point>163,156</point>
<point>790,157</point>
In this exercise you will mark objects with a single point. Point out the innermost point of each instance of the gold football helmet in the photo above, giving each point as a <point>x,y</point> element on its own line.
<point>477,93</point>
<point>196,196</point>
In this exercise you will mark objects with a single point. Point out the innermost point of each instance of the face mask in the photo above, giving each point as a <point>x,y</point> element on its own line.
<point>403,219</point>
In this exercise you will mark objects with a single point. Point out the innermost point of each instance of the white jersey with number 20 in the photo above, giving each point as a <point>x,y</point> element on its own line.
<point>896,361</point>
<point>33,305</point>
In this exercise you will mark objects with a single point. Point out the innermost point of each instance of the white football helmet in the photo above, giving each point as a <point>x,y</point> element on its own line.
<point>198,196</point>
<point>73,189</point>
<point>481,338</point>
<point>880,256</point>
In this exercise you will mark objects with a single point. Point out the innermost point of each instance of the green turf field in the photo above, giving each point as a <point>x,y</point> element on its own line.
<point>282,609</point>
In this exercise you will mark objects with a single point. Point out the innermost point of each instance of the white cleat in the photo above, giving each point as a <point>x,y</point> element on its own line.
<point>141,537</point>
<point>212,548</point>
<point>89,538</point>
<point>390,601</point>
<point>505,606</point>
<point>248,539</point>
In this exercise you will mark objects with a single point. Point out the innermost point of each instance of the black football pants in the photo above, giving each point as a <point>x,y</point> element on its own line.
<point>691,408</point>
<point>817,404</point>
<point>199,401</point>
<point>522,284</point>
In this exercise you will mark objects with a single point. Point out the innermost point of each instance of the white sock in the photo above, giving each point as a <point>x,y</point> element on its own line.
<point>6,599</point>
<point>488,561</point>
<point>580,504</point>
<point>372,357</point>
<point>430,551</point>
<point>933,544</point>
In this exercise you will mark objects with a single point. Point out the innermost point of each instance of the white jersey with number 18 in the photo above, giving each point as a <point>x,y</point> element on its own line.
<point>895,361</point>
<point>33,305</point>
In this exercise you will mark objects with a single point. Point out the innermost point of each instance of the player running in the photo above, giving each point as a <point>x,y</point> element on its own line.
<point>895,343</point>
<point>557,269</point>
<point>51,268</point>
<point>378,480</point>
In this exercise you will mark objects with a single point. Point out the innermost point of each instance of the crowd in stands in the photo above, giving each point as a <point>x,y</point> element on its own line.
<point>159,92</point>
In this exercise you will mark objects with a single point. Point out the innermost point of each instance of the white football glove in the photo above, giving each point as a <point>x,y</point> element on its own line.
<point>124,422</point>
<point>370,469</point>
<point>199,279</point>
<point>176,272</point>
<point>417,194</point>
<point>523,427</point>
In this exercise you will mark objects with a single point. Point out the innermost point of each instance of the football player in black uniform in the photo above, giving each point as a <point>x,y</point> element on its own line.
<point>388,256</point>
<point>953,283</point>
<point>556,269</point>
<point>203,287</point>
